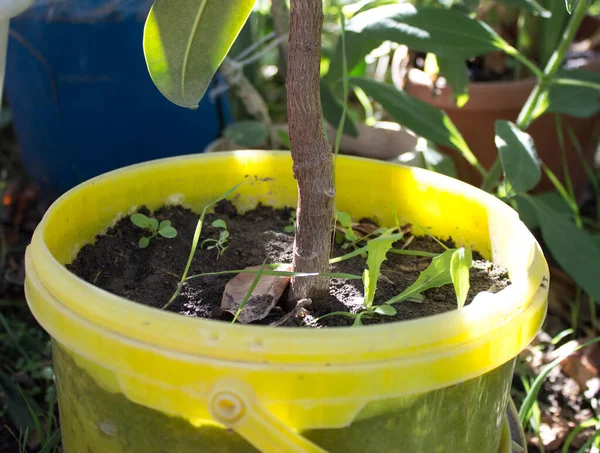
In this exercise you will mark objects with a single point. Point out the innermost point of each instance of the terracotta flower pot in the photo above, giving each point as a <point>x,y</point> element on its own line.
<point>492,101</point>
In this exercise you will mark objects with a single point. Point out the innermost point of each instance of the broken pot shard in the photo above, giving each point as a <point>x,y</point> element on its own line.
<point>264,297</point>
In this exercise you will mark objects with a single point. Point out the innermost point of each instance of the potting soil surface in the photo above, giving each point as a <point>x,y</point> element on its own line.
<point>116,263</point>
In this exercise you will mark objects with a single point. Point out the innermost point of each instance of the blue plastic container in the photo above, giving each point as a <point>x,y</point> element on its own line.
<point>81,97</point>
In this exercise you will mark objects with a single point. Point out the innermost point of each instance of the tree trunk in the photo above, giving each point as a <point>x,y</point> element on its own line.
<point>313,159</point>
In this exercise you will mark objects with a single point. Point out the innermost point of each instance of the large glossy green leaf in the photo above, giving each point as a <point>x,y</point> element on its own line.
<point>575,250</point>
<point>418,116</point>
<point>577,101</point>
<point>531,6</point>
<point>185,42</point>
<point>518,156</point>
<point>446,32</point>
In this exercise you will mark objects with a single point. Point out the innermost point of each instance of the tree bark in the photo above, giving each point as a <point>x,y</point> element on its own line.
<point>312,156</point>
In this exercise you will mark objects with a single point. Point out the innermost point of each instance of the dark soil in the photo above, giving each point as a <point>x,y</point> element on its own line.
<point>149,276</point>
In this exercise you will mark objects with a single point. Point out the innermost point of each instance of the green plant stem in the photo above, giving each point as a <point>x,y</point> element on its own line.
<point>526,62</point>
<point>575,83</point>
<point>340,129</point>
<point>527,114</point>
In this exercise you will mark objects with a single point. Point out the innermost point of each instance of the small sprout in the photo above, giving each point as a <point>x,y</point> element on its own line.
<point>291,227</point>
<point>152,226</point>
<point>386,310</point>
<point>219,244</point>
<point>346,221</point>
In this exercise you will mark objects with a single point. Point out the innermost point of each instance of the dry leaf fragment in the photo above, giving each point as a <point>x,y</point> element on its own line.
<point>262,300</point>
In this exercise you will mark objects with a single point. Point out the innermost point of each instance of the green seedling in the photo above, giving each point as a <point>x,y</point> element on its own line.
<point>291,227</point>
<point>451,266</point>
<point>219,244</point>
<point>151,225</point>
<point>346,221</point>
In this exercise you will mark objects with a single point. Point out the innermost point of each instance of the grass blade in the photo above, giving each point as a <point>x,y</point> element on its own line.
<point>249,292</point>
<point>53,441</point>
<point>531,397</point>
<point>196,238</point>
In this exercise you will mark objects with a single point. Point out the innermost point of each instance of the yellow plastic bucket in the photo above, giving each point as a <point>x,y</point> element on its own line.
<point>135,379</point>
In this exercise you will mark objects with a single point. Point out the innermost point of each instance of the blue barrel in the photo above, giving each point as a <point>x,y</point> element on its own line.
<point>81,97</point>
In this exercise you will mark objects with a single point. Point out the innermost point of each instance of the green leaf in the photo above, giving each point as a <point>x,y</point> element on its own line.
<point>575,250</point>
<point>454,70</point>
<point>13,402</point>
<point>333,110</point>
<point>386,310</point>
<point>164,224</point>
<point>185,42</point>
<point>285,138</point>
<point>377,250</point>
<point>553,200</point>
<point>518,156</point>
<point>447,33</point>
<point>344,219</point>
<point>577,101</point>
<point>531,6</point>
<point>437,161</point>
<point>219,223</point>
<point>444,32</point>
<point>437,274</point>
<point>52,442</point>
<point>570,4</point>
<point>460,263</point>
<point>168,232</point>
<point>143,242</point>
<point>246,133</point>
<point>153,224</point>
<point>551,30</point>
<point>418,116</point>
<point>140,220</point>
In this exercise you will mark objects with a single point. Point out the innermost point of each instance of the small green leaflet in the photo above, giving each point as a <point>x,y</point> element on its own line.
<point>219,223</point>
<point>153,223</point>
<point>386,310</point>
<point>168,232</point>
<point>140,220</point>
<point>437,274</point>
<point>376,254</point>
<point>460,264</point>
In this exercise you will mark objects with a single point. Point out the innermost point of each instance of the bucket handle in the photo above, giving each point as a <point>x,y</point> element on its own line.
<point>233,404</point>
